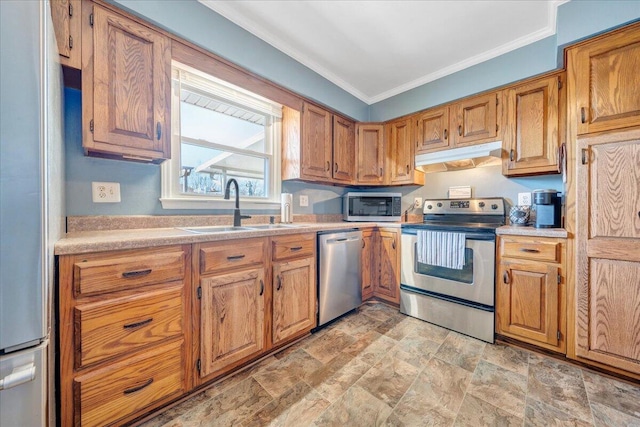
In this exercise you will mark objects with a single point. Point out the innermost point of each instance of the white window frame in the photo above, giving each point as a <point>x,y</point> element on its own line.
<point>173,198</point>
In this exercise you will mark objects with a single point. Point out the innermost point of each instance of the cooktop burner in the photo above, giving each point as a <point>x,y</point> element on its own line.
<point>464,215</point>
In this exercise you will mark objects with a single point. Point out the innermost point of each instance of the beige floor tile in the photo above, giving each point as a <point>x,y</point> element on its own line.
<point>415,350</point>
<point>379,311</point>
<point>355,408</point>
<point>500,387</point>
<point>232,406</point>
<point>616,394</point>
<point>606,416</point>
<point>371,347</point>
<point>329,345</point>
<point>280,376</point>
<point>389,379</point>
<point>508,357</point>
<point>334,379</point>
<point>476,412</point>
<point>538,414</point>
<point>461,350</point>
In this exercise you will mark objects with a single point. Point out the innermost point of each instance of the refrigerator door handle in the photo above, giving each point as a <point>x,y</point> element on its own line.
<point>19,376</point>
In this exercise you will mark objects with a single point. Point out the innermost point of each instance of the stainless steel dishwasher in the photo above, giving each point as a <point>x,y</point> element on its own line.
<point>339,273</point>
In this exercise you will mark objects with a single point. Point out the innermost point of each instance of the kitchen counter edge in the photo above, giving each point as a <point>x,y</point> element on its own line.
<point>513,230</point>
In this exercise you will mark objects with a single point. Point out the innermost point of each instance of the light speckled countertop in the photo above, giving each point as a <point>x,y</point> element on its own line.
<point>514,230</point>
<point>98,241</point>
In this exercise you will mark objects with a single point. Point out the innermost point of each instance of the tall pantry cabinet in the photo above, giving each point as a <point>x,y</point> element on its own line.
<point>603,198</point>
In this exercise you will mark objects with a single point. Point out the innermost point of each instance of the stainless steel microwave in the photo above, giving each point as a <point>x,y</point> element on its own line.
<point>372,206</point>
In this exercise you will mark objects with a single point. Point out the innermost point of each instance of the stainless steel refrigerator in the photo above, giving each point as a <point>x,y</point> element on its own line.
<point>31,208</point>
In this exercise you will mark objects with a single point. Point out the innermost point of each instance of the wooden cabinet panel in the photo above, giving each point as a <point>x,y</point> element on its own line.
<point>231,319</point>
<point>606,81</point>
<point>475,120</point>
<point>316,142</point>
<point>65,15</point>
<point>223,256</point>
<point>388,285</point>
<point>432,130</point>
<point>370,150</point>
<point>401,154</point>
<point>102,273</point>
<point>294,298</point>
<point>344,150</point>
<point>531,135</point>
<point>117,326</point>
<point>369,265</point>
<point>528,301</point>
<point>129,81</point>
<point>110,394</point>
<point>293,246</point>
<point>530,248</point>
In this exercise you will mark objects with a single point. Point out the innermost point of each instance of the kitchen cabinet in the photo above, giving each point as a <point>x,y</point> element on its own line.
<point>317,146</point>
<point>432,130</point>
<point>608,249</point>
<point>387,286</point>
<point>370,153</point>
<point>401,154</point>
<point>369,267</point>
<point>604,71</point>
<point>532,134</point>
<point>65,15</point>
<point>126,88</point>
<point>475,120</point>
<point>122,333</point>
<point>530,291</point>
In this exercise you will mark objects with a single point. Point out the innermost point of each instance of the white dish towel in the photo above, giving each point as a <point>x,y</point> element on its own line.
<point>441,248</point>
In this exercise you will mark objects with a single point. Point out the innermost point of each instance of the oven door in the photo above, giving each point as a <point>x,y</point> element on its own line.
<point>474,283</point>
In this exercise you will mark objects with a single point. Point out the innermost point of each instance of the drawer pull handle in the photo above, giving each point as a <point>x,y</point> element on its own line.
<point>446,134</point>
<point>531,251</point>
<point>135,325</point>
<point>328,165</point>
<point>279,283</point>
<point>460,130</point>
<point>393,244</point>
<point>335,168</point>
<point>158,130</point>
<point>138,387</point>
<point>296,248</point>
<point>235,257</point>
<point>512,155</point>
<point>583,115</point>
<point>137,273</point>
<point>505,278</point>
<point>261,287</point>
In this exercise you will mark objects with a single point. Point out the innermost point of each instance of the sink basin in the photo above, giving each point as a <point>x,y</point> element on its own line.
<point>272,226</point>
<point>216,229</point>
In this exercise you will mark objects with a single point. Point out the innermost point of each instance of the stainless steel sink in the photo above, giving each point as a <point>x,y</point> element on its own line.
<point>215,229</point>
<point>272,226</point>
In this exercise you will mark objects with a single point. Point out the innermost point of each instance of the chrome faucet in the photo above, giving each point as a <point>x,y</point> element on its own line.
<point>237,218</point>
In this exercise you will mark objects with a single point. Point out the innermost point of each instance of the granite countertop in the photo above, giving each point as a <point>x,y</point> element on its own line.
<point>107,240</point>
<point>514,230</point>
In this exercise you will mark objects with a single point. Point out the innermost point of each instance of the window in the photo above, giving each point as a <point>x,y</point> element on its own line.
<point>219,132</point>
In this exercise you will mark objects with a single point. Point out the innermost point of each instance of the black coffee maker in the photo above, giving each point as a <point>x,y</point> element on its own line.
<point>548,205</point>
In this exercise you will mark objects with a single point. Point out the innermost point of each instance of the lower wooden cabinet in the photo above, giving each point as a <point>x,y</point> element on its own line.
<point>381,264</point>
<point>530,291</point>
<point>368,263</point>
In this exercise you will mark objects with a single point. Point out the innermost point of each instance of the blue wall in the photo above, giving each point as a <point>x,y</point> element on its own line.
<point>140,183</point>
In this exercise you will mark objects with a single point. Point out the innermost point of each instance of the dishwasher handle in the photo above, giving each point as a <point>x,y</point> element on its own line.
<point>342,240</point>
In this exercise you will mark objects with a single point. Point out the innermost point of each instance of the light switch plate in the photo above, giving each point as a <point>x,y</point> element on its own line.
<point>417,202</point>
<point>304,200</point>
<point>105,192</point>
<point>524,199</point>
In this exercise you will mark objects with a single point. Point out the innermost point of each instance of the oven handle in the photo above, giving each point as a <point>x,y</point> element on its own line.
<point>468,236</point>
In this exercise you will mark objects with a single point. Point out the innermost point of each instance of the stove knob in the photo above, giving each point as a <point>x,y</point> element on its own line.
<point>481,204</point>
<point>494,207</point>
<point>439,204</point>
<point>429,207</point>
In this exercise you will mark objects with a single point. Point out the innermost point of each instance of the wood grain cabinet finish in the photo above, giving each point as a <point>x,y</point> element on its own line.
<point>344,150</point>
<point>370,153</point>
<point>388,284</point>
<point>432,130</point>
<point>126,87</point>
<point>401,154</point>
<point>532,126</point>
<point>65,15</point>
<point>530,291</point>
<point>475,120</point>
<point>123,340</point>
<point>605,73</point>
<point>608,249</point>
<point>316,142</point>
<point>370,272</point>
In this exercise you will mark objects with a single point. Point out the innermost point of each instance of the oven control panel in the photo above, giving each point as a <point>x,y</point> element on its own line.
<point>489,206</point>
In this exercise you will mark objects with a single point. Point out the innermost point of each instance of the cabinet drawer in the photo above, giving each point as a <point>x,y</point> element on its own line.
<point>296,246</point>
<point>231,255</point>
<point>120,389</point>
<point>98,273</point>
<point>121,325</point>
<point>533,249</point>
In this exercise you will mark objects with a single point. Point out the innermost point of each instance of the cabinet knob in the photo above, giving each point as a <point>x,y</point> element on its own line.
<point>158,130</point>
<point>446,134</point>
<point>460,130</point>
<point>583,115</point>
<point>407,168</point>
<point>393,244</point>
<point>335,168</point>
<point>585,156</point>
<point>512,154</point>
<point>328,165</point>
<point>261,287</point>
<point>505,278</point>
<point>279,283</point>
<point>363,243</point>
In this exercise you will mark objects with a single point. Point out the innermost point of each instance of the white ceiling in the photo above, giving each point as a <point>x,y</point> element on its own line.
<point>377,49</point>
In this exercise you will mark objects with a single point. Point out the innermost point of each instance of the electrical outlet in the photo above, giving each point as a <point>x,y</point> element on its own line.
<point>304,200</point>
<point>105,192</point>
<point>524,199</point>
<point>417,202</point>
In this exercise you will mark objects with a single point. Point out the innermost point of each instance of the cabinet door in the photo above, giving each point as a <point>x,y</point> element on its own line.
<point>475,120</point>
<point>388,284</point>
<point>231,319</point>
<point>608,246</point>
<point>606,82</point>
<point>370,270</point>
<point>294,298</point>
<point>370,150</point>
<point>401,155</point>
<point>432,130</point>
<point>131,88</point>
<point>532,129</point>
<point>344,150</point>
<point>65,15</point>
<point>316,142</point>
<point>527,296</point>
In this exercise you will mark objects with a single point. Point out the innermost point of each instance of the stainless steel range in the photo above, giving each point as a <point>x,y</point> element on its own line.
<point>448,265</point>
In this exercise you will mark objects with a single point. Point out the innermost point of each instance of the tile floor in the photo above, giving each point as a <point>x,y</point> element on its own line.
<point>379,367</point>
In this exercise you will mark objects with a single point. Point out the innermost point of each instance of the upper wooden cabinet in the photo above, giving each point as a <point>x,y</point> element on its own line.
<point>126,88</point>
<point>370,153</point>
<point>65,15</point>
<point>605,74</point>
<point>400,162</point>
<point>432,130</point>
<point>475,120</point>
<point>316,148</point>
<point>532,126</point>
<point>344,150</point>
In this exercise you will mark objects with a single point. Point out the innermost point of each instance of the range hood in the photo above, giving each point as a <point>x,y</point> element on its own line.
<point>488,154</point>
